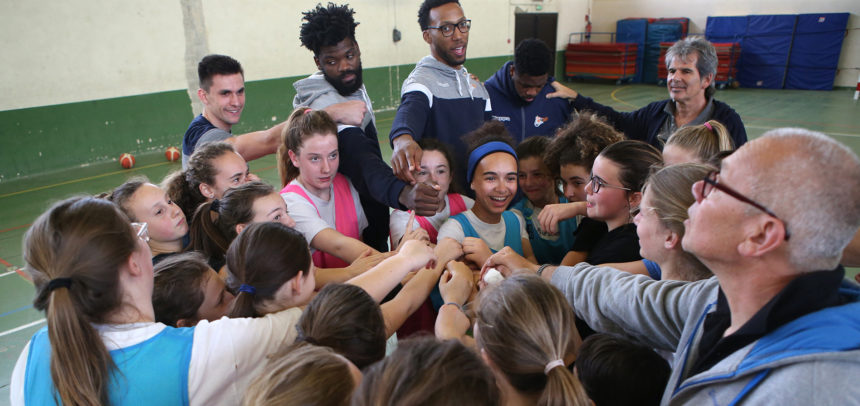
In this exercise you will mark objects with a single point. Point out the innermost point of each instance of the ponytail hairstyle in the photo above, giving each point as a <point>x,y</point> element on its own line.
<point>302,374</point>
<point>302,124</point>
<point>123,193</point>
<point>345,318</point>
<point>263,258</point>
<point>704,140</point>
<point>433,144</point>
<point>213,227</point>
<point>579,142</point>
<point>183,187</point>
<point>426,371</point>
<point>82,242</point>
<point>671,196</point>
<point>527,329</point>
<point>635,160</point>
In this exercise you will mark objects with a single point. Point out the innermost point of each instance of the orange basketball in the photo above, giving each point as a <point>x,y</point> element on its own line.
<point>172,154</point>
<point>126,160</point>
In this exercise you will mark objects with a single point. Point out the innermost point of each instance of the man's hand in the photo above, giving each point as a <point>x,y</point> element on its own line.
<point>562,91</point>
<point>348,113</point>
<point>422,198</point>
<point>406,158</point>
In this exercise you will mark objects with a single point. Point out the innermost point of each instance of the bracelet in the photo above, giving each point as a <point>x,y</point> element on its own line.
<point>456,304</point>
<point>542,267</point>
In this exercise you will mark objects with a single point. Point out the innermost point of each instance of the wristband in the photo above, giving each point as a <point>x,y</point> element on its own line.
<point>456,304</point>
<point>542,267</point>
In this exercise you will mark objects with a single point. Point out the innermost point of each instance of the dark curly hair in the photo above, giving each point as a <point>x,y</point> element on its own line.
<point>579,143</point>
<point>532,57</point>
<point>326,26</point>
<point>424,11</point>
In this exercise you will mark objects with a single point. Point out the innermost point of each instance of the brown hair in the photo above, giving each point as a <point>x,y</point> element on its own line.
<point>579,142</point>
<point>345,318</point>
<point>183,186</point>
<point>178,290</point>
<point>671,196</point>
<point>523,324</point>
<point>703,141</point>
<point>433,144</point>
<point>303,123</point>
<point>302,374</point>
<point>86,240</point>
<point>265,256</point>
<point>213,227</point>
<point>635,160</point>
<point>425,371</point>
<point>122,194</point>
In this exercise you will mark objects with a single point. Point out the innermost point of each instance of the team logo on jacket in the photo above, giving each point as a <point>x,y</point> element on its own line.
<point>540,120</point>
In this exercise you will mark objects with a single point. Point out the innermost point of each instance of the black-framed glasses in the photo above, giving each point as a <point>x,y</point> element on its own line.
<point>710,182</point>
<point>597,182</point>
<point>448,29</point>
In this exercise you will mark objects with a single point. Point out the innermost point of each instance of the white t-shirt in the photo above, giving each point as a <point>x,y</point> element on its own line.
<point>398,219</point>
<point>226,354</point>
<point>492,234</point>
<point>308,222</point>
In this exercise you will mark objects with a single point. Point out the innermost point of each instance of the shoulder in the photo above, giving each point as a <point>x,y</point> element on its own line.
<point>724,110</point>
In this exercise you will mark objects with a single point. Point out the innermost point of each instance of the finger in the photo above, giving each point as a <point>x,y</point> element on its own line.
<point>409,223</point>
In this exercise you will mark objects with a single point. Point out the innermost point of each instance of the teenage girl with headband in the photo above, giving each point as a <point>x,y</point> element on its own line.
<point>697,143</point>
<point>212,169</point>
<point>323,202</point>
<point>94,279</point>
<point>492,175</point>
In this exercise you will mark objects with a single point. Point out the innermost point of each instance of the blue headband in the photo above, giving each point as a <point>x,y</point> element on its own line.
<point>479,153</point>
<point>247,289</point>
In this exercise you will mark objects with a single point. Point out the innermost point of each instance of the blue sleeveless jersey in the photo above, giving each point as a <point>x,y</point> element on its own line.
<point>153,372</point>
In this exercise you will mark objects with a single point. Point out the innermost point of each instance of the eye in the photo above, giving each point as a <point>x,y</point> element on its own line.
<point>158,212</point>
<point>422,173</point>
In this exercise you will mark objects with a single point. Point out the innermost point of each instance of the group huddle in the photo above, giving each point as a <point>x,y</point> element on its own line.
<point>608,258</point>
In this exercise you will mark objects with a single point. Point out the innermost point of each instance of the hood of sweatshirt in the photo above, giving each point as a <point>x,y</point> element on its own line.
<point>317,93</point>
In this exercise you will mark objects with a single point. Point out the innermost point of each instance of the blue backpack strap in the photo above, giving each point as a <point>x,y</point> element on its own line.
<point>512,232</point>
<point>468,230</point>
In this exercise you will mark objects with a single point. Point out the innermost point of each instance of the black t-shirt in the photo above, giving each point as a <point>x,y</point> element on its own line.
<point>618,245</point>
<point>588,233</point>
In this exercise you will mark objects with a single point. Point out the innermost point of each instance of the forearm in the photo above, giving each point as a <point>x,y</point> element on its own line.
<point>333,242</point>
<point>258,144</point>
<point>361,161</point>
<point>382,278</point>
<point>324,276</point>
<point>410,298</point>
<point>451,323</point>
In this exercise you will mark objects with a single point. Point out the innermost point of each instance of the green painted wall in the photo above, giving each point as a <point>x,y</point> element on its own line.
<point>47,139</point>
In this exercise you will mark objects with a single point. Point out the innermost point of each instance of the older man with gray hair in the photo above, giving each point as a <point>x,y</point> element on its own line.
<point>778,323</point>
<point>692,65</point>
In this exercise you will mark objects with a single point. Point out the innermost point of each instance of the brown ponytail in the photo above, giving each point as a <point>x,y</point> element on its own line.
<point>302,123</point>
<point>85,240</point>
<point>183,187</point>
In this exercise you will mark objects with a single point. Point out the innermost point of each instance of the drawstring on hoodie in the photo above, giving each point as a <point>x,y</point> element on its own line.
<point>465,74</point>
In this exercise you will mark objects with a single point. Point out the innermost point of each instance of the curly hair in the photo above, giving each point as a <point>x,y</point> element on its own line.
<point>326,26</point>
<point>532,57</point>
<point>579,143</point>
<point>424,11</point>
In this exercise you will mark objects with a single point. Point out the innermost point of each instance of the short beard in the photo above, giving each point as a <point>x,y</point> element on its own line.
<point>343,89</point>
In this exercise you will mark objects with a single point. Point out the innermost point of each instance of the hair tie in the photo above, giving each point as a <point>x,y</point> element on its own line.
<point>247,289</point>
<point>708,125</point>
<point>552,364</point>
<point>215,206</point>
<point>479,153</point>
<point>307,111</point>
<point>59,283</point>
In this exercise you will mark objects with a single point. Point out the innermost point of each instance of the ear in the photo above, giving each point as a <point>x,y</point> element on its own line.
<point>707,80</point>
<point>511,71</point>
<point>201,94</point>
<point>317,63</point>
<point>293,158</point>
<point>296,283</point>
<point>672,240</point>
<point>240,227</point>
<point>635,199</point>
<point>765,236</point>
<point>206,190</point>
<point>185,323</point>
<point>426,35</point>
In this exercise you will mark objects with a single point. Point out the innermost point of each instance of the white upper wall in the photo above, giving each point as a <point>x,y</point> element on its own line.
<point>605,13</point>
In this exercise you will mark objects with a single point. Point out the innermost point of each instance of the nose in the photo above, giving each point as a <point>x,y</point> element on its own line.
<point>588,189</point>
<point>289,222</point>
<point>637,218</point>
<point>343,65</point>
<point>326,167</point>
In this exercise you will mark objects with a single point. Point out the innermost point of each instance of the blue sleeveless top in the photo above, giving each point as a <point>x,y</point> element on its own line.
<point>153,372</point>
<point>548,251</point>
<point>512,230</point>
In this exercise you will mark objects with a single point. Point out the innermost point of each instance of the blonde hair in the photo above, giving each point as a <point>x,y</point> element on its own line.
<point>85,240</point>
<point>523,325</point>
<point>302,124</point>
<point>671,196</point>
<point>302,374</point>
<point>705,140</point>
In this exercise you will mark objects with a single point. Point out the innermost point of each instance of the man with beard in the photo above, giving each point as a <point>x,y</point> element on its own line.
<point>439,99</point>
<point>692,65</point>
<point>329,32</point>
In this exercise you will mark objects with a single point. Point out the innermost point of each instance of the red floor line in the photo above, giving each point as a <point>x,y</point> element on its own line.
<point>3,261</point>
<point>14,228</point>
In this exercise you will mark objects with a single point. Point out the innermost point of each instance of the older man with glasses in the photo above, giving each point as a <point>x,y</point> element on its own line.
<point>779,323</point>
<point>439,99</point>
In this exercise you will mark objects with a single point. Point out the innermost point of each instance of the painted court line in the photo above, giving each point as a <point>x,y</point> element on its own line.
<point>26,326</point>
<point>82,179</point>
<point>612,95</point>
<point>7,274</point>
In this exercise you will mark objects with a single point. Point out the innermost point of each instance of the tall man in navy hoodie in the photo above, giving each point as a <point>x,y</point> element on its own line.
<point>329,32</point>
<point>518,93</point>
<point>439,99</point>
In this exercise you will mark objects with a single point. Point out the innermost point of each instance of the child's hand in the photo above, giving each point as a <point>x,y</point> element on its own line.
<point>552,214</point>
<point>419,234</point>
<point>456,283</point>
<point>476,250</point>
<point>448,249</point>
<point>418,253</point>
<point>366,260</point>
<point>506,261</point>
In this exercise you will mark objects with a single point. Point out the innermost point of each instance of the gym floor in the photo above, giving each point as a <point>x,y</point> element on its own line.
<point>21,201</point>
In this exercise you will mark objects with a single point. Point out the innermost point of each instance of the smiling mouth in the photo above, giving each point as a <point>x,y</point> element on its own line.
<point>459,51</point>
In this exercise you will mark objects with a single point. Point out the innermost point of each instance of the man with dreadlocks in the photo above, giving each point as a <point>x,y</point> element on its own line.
<point>329,32</point>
